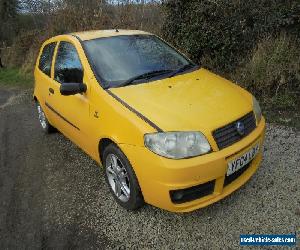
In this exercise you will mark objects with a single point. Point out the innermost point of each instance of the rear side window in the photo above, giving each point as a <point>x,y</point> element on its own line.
<point>46,58</point>
<point>68,68</point>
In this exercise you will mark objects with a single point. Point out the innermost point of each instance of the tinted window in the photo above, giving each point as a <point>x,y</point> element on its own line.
<point>68,67</point>
<point>46,58</point>
<point>117,59</point>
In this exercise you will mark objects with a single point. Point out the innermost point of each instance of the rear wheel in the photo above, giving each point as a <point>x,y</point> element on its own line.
<point>121,178</point>
<point>46,126</point>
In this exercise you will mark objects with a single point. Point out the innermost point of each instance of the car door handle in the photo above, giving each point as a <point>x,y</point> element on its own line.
<point>51,90</point>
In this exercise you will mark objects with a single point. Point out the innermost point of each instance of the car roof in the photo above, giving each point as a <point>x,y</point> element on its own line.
<point>94,34</point>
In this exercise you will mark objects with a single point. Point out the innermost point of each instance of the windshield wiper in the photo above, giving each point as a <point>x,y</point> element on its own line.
<point>183,68</point>
<point>147,75</point>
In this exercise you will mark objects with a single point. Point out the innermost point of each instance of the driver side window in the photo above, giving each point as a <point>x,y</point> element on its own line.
<point>68,68</point>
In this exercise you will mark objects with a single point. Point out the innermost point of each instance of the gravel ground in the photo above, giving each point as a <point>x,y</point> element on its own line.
<point>54,196</point>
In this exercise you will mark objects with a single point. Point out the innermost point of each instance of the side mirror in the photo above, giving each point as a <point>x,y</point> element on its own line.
<point>72,88</point>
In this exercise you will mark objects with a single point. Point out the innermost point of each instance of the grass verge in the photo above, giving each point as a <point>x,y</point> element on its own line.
<point>12,77</point>
<point>283,109</point>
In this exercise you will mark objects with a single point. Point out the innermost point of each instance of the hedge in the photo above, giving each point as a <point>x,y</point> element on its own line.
<point>226,31</point>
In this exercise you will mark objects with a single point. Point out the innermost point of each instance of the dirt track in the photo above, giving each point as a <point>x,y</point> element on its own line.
<point>54,196</point>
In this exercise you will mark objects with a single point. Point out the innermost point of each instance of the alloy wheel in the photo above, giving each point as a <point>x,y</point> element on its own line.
<point>42,117</point>
<point>118,177</point>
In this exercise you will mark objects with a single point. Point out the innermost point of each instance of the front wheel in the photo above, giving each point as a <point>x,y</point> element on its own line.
<point>121,178</point>
<point>46,126</point>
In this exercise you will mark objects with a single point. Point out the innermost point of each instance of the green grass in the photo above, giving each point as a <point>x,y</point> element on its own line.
<point>15,78</point>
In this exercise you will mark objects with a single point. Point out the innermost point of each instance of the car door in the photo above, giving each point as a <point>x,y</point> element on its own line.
<point>72,112</point>
<point>43,74</point>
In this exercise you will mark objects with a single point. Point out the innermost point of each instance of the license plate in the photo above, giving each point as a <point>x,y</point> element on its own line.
<point>242,161</point>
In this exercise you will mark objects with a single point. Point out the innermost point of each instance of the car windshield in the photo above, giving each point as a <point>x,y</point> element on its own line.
<point>132,59</point>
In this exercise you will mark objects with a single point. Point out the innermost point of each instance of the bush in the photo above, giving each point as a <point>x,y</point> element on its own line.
<point>226,31</point>
<point>273,71</point>
<point>23,46</point>
<point>76,16</point>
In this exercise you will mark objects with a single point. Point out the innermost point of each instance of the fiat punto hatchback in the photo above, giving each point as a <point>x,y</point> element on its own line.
<point>166,131</point>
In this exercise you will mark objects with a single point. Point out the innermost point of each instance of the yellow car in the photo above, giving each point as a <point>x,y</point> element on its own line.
<point>166,131</point>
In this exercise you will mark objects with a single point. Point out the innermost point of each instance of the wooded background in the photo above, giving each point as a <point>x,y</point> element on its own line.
<point>255,43</point>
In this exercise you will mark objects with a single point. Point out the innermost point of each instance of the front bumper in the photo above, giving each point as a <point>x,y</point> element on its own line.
<point>158,176</point>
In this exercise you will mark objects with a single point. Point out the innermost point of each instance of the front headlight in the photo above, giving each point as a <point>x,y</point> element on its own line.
<point>256,109</point>
<point>177,145</point>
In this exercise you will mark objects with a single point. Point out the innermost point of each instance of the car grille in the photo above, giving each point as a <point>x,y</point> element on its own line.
<point>228,135</point>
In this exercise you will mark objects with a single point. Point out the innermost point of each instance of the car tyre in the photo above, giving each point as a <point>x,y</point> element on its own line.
<point>46,126</point>
<point>121,178</point>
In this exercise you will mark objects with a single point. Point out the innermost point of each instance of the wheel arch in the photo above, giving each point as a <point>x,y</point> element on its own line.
<point>103,143</point>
